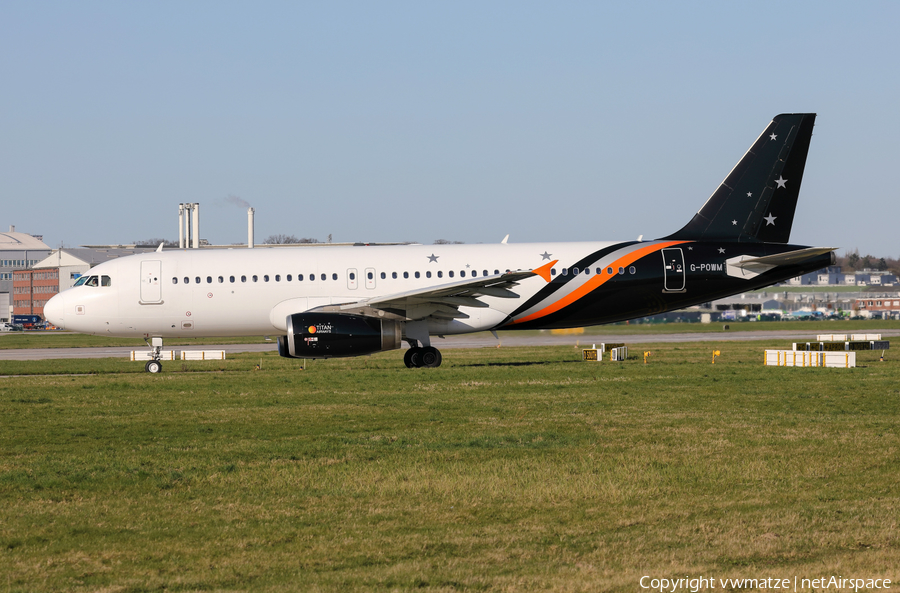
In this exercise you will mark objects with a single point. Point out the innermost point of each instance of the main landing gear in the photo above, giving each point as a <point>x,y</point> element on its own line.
<point>428,357</point>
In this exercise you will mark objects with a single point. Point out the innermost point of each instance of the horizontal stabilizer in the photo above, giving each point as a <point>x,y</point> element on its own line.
<point>745,266</point>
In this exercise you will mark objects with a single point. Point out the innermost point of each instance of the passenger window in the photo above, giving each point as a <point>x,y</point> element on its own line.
<point>631,270</point>
<point>187,280</point>
<point>277,277</point>
<point>352,276</point>
<point>266,277</point>
<point>450,273</point>
<point>221,280</point>
<point>243,278</point>
<point>553,271</point>
<point>299,277</point>
<point>496,272</point>
<point>621,270</point>
<point>574,271</point>
<point>484,272</point>
<point>289,278</point>
<point>383,275</point>
<point>394,275</point>
<point>428,274</point>
<point>417,274</point>
<point>323,276</point>
<point>369,275</point>
<point>209,279</point>
<point>565,271</point>
<point>84,281</point>
<point>599,270</point>
<point>609,271</point>
<point>587,271</point>
<point>197,279</point>
<point>231,279</point>
<point>312,277</point>
<point>440,274</point>
<point>255,278</point>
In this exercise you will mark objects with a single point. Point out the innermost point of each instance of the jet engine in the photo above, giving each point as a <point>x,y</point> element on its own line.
<point>330,335</point>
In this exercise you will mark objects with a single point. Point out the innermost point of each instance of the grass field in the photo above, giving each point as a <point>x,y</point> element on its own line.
<point>14,340</point>
<point>512,469</point>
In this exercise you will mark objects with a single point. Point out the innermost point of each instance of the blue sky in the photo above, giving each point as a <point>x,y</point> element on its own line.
<point>416,121</point>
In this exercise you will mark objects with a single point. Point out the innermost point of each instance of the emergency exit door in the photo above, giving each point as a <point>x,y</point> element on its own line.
<point>673,269</point>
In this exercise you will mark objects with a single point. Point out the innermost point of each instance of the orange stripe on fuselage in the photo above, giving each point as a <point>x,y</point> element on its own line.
<point>597,280</point>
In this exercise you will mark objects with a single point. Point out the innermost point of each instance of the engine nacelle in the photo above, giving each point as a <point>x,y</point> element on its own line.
<point>330,335</point>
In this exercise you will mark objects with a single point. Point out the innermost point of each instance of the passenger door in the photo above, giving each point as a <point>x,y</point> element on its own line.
<point>151,282</point>
<point>673,270</point>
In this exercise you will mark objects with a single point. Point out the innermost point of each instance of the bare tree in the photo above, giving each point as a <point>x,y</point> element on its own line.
<point>446,242</point>
<point>280,239</point>
<point>156,242</point>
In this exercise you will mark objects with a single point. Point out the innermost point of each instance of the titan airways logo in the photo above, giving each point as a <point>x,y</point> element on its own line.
<point>706,267</point>
<point>320,328</point>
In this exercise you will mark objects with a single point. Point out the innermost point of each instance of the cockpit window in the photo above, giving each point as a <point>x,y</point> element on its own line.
<point>94,281</point>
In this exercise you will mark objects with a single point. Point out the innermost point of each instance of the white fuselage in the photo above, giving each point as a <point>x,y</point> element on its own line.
<point>237,292</point>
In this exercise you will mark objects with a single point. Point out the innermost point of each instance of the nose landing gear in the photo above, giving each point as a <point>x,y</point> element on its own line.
<point>154,365</point>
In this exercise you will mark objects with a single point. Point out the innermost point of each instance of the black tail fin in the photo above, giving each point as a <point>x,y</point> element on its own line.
<point>756,202</point>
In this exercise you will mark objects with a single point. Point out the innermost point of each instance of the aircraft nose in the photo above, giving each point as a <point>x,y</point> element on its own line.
<point>54,311</point>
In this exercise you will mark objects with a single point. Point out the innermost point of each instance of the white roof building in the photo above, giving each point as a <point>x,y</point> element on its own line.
<point>13,241</point>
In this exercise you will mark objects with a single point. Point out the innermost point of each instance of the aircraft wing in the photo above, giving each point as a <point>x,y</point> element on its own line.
<point>444,300</point>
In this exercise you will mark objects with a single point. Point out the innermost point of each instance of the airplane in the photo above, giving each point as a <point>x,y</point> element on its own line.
<point>341,301</point>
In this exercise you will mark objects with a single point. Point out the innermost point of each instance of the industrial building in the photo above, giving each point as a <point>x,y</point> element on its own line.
<point>17,251</point>
<point>833,276</point>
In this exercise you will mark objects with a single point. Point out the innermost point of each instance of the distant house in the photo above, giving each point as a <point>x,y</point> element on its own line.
<point>881,307</point>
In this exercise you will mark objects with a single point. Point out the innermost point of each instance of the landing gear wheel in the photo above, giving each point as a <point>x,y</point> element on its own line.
<point>430,358</point>
<point>153,366</point>
<point>412,357</point>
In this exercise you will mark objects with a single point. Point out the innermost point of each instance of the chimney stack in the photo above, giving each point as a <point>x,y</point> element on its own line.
<point>189,226</point>
<point>250,212</point>
<point>196,220</point>
<point>180,226</point>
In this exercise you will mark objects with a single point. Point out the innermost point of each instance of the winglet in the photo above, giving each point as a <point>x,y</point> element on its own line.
<point>158,249</point>
<point>505,239</point>
<point>544,271</point>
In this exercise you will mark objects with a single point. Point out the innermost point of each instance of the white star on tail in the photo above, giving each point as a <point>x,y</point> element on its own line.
<point>781,181</point>
<point>773,137</point>
<point>770,219</point>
